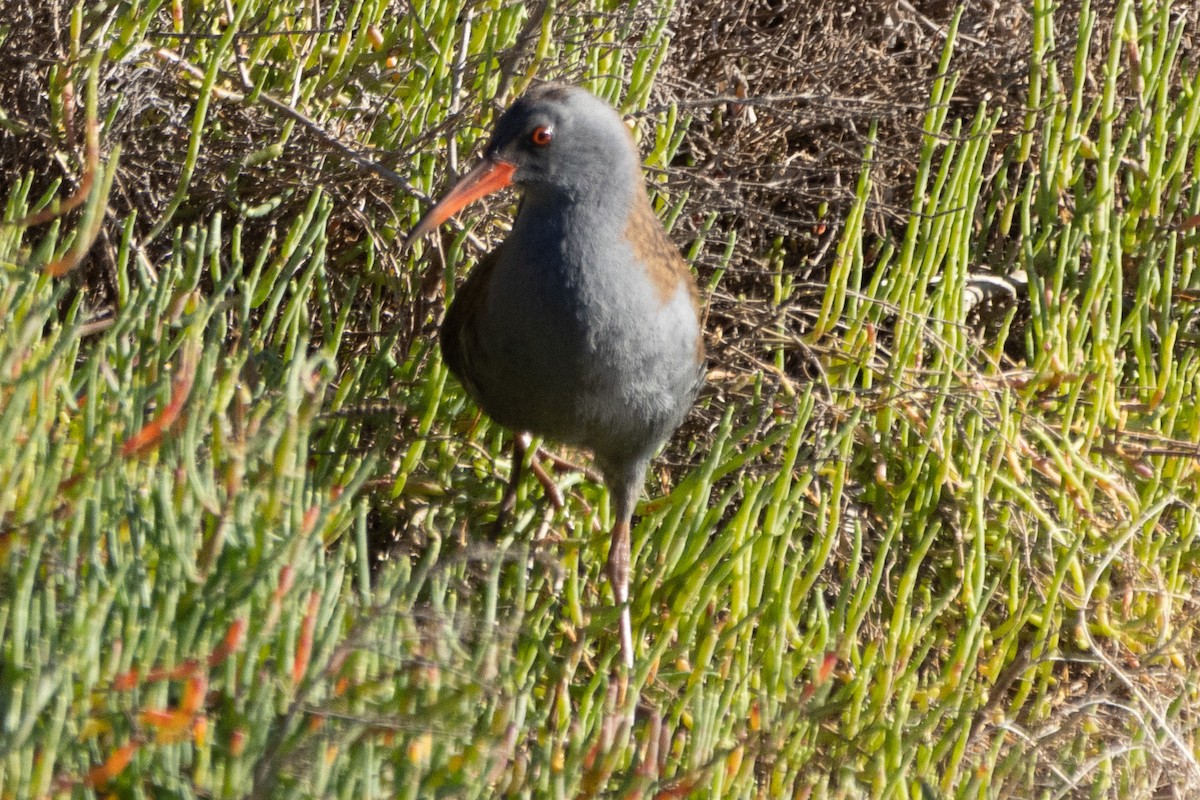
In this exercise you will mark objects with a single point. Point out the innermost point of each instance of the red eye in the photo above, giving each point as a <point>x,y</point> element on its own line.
<point>542,135</point>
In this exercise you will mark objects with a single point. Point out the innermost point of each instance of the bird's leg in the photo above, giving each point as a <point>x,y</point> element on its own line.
<point>624,484</point>
<point>618,576</point>
<point>521,442</point>
<point>624,479</point>
<point>548,485</point>
<point>566,465</point>
<point>520,445</point>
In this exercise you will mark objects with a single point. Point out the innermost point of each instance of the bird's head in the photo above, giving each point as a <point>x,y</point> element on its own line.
<point>554,138</point>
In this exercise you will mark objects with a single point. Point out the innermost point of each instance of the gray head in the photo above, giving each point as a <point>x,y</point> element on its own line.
<point>563,138</point>
<point>554,140</point>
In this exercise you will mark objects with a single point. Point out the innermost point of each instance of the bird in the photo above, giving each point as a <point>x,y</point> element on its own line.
<point>583,326</point>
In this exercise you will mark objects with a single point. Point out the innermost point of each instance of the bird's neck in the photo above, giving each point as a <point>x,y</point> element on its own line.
<point>596,210</point>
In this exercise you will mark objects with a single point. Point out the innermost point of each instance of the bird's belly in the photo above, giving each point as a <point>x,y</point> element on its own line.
<point>606,387</point>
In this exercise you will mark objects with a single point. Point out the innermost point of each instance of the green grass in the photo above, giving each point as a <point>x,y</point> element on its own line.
<point>929,565</point>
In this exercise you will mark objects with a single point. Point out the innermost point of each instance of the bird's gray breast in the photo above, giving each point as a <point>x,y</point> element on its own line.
<point>579,346</point>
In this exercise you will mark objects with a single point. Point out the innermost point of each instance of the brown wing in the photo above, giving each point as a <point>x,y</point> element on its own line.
<point>459,333</point>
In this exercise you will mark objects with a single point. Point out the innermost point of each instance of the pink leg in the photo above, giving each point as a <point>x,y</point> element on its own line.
<point>624,485</point>
<point>618,576</point>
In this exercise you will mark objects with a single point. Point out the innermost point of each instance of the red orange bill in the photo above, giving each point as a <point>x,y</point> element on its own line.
<point>490,175</point>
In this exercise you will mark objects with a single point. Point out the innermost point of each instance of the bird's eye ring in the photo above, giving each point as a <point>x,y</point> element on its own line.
<point>542,135</point>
